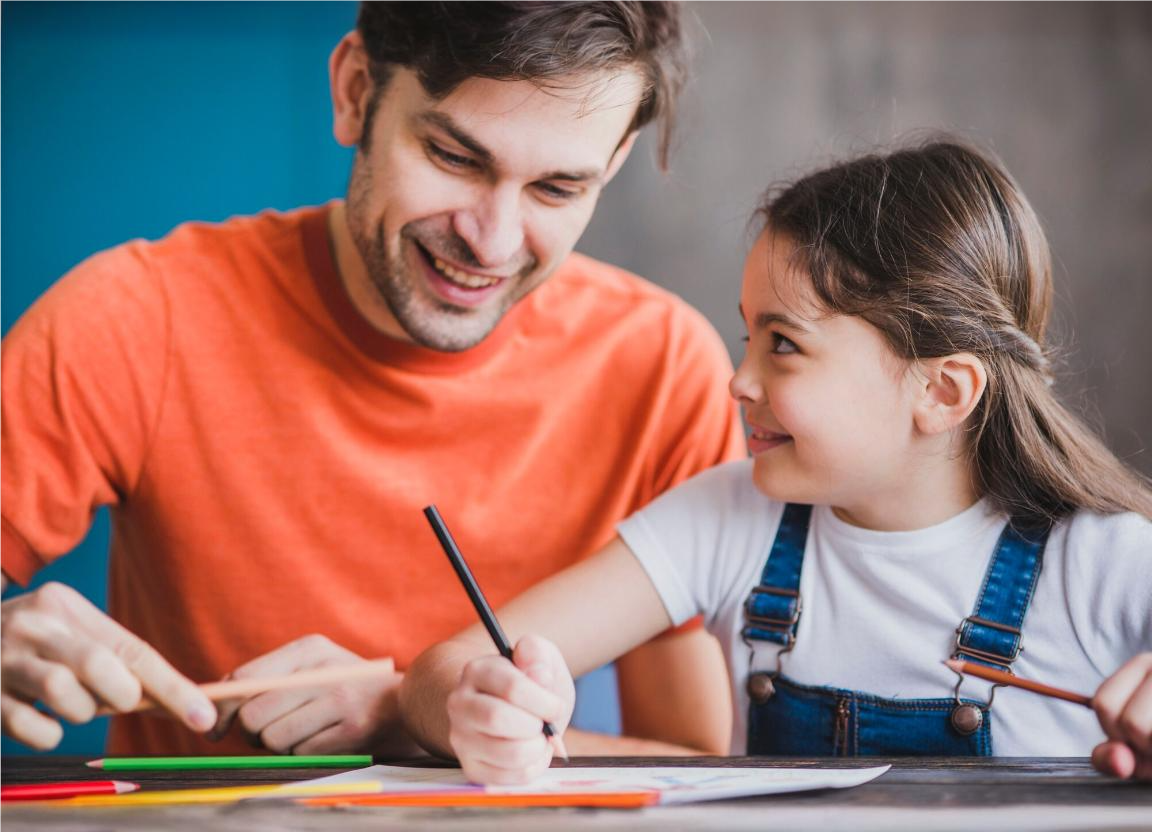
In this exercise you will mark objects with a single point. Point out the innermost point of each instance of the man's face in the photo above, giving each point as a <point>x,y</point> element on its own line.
<point>460,207</point>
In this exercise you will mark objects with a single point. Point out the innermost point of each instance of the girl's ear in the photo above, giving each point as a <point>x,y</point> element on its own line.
<point>352,87</point>
<point>952,387</point>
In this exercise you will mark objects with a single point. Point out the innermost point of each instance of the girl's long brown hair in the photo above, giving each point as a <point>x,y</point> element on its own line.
<point>937,247</point>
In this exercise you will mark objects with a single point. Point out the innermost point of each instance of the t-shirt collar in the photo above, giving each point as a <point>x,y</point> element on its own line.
<point>970,524</point>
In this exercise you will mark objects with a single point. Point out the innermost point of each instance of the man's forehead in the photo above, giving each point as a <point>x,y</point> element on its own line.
<point>579,120</point>
<point>572,98</point>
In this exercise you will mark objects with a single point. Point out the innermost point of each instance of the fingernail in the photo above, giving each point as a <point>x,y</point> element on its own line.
<point>201,715</point>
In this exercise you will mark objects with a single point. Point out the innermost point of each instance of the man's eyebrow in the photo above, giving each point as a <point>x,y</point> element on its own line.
<point>765,319</point>
<point>485,157</point>
<point>582,175</point>
<point>461,136</point>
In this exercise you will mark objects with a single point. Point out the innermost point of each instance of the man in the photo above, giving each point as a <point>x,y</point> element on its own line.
<point>266,404</point>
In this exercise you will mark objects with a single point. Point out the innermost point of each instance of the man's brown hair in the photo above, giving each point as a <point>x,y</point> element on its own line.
<point>445,43</point>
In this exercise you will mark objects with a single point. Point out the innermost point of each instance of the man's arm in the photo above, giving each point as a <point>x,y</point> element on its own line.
<point>674,690</point>
<point>674,700</point>
<point>60,650</point>
<point>82,384</point>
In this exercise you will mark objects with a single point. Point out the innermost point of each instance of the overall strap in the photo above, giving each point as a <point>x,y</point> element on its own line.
<point>991,634</point>
<point>772,609</point>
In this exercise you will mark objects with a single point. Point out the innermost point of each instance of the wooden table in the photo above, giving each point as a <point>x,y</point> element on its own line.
<point>922,794</point>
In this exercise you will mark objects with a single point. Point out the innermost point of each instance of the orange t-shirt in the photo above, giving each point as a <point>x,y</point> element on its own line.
<point>266,452</point>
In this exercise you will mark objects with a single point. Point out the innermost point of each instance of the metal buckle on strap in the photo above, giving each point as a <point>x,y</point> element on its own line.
<point>995,658</point>
<point>766,622</point>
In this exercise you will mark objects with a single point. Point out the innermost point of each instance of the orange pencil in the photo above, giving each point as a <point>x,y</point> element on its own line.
<point>236,688</point>
<point>609,800</point>
<point>1002,678</point>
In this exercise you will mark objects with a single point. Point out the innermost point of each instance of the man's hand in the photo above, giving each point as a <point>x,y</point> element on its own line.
<point>351,717</point>
<point>61,650</point>
<point>1124,706</point>
<point>498,710</point>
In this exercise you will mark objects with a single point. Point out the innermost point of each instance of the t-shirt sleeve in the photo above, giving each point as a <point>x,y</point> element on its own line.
<point>1108,583</point>
<point>698,422</point>
<point>690,540</point>
<point>82,380</point>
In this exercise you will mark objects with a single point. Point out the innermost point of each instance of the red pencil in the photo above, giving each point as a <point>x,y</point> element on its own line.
<point>58,791</point>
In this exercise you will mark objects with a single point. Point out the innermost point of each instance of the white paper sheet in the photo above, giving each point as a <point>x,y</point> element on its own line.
<point>674,783</point>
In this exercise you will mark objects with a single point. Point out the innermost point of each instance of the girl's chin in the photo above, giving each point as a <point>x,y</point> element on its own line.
<point>775,487</point>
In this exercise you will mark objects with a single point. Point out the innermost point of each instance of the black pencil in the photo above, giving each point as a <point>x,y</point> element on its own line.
<point>481,604</point>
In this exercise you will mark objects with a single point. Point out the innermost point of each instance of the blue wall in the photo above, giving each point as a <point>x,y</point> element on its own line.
<point>122,120</point>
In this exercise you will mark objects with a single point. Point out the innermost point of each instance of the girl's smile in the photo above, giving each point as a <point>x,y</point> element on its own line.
<point>761,439</point>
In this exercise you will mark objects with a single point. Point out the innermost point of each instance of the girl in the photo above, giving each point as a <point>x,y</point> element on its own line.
<point>915,493</point>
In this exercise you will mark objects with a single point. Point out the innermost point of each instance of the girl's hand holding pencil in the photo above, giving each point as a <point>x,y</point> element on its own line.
<point>496,711</point>
<point>1123,705</point>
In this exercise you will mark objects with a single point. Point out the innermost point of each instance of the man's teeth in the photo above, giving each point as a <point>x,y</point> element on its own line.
<point>472,281</point>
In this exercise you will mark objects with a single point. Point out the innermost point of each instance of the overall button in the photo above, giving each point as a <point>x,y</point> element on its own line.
<point>967,719</point>
<point>760,688</point>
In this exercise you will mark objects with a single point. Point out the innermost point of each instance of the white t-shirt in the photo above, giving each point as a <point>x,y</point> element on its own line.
<point>880,609</point>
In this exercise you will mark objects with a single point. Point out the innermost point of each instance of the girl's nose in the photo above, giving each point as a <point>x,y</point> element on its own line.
<point>745,386</point>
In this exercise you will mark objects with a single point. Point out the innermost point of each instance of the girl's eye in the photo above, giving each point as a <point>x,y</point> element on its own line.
<point>454,160</point>
<point>782,345</point>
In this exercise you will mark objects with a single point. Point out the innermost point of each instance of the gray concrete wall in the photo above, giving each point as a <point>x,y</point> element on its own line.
<point>1061,91</point>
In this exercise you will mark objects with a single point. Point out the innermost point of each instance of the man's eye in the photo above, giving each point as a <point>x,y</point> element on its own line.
<point>556,192</point>
<point>447,157</point>
<point>782,345</point>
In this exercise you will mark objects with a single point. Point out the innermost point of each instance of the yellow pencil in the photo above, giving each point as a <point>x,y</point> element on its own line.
<point>225,794</point>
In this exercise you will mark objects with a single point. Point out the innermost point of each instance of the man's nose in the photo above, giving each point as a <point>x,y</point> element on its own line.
<point>493,227</point>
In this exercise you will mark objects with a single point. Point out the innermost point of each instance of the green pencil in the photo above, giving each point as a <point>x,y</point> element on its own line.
<point>191,763</point>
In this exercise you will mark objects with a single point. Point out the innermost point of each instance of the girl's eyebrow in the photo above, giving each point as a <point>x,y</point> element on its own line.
<point>765,319</point>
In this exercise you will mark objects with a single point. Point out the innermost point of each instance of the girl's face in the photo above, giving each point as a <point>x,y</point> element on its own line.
<point>828,404</point>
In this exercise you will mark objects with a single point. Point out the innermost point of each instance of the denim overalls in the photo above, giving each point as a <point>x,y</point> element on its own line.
<point>790,719</point>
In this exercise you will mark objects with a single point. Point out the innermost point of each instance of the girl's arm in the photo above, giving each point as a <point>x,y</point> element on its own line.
<point>587,615</point>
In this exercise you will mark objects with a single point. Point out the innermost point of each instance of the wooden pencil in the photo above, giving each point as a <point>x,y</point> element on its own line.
<point>237,688</point>
<point>1002,678</point>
